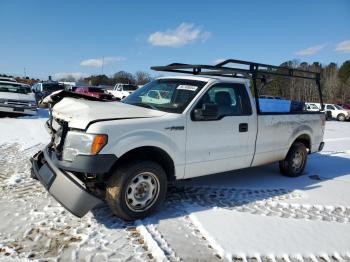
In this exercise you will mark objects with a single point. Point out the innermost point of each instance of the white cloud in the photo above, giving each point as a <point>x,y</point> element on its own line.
<point>182,35</point>
<point>310,50</point>
<point>97,62</point>
<point>343,47</point>
<point>75,75</point>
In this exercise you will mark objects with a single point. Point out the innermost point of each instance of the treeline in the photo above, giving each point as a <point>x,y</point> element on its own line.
<point>139,78</point>
<point>335,83</point>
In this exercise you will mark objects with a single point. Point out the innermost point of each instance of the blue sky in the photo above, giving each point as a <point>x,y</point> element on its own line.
<point>60,37</point>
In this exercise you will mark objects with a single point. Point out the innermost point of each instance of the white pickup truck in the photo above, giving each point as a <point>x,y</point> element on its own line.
<point>121,91</point>
<point>126,153</point>
<point>16,98</point>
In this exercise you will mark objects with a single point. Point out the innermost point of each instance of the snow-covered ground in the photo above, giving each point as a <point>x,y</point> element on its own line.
<point>247,215</point>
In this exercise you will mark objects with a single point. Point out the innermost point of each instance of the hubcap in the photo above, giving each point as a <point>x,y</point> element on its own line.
<point>298,160</point>
<point>142,192</point>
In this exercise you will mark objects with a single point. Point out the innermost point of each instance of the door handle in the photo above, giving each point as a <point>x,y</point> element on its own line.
<point>243,127</point>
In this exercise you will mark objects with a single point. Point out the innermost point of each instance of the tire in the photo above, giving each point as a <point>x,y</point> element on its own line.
<point>294,163</point>
<point>341,117</point>
<point>132,184</point>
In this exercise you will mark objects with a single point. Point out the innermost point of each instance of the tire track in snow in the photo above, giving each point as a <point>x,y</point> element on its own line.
<point>292,258</point>
<point>265,202</point>
<point>37,227</point>
<point>161,242</point>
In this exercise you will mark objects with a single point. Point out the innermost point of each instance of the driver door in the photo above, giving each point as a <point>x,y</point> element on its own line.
<point>226,143</point>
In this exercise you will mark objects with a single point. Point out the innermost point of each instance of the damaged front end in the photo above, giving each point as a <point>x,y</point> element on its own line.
<point>72,180</point>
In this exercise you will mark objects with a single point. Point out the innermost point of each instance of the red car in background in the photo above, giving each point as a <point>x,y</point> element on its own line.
<point>94,91</point>
<point>345,106</point>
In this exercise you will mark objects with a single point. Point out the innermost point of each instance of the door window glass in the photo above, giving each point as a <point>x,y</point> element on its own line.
<point>231,99</point>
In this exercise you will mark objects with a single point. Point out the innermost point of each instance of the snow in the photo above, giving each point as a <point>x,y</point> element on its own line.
<point>27,131</point>
<point>248,235</point>
<point>248,214</point>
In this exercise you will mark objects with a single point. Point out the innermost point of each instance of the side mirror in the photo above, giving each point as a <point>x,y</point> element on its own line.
<point>206,113</point>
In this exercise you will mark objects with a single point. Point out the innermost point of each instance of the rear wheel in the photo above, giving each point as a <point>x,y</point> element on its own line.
<point>135,191</point>
<point>294,163</point>
<point>341,117</point>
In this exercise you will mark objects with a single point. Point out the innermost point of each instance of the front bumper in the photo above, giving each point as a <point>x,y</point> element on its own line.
<point>68,190</point>
<point>18,110</point>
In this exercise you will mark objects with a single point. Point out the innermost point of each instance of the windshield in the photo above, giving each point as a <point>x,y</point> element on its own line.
<point>51,87</point>
<point>339,107</point>
<point>170,95</point>
<point>129,87</point>
<point>14,88</point>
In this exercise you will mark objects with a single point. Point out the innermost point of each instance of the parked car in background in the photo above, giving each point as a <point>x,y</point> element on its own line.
<point>45,88</point>
<point>106,87</point>
<point>8,79</point>
<point>345,106</point>
<point>95,92</point>
<point>337,112</point>
<point>16,98</point>
<point>123,90</point>
<point>314,107</point>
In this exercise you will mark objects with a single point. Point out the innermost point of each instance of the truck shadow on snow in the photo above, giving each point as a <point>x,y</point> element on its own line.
<point>259,190</point>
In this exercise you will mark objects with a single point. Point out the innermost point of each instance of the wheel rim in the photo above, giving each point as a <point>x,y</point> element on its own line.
<point>298,161</point>
<point>341,118</point>
<point>142,192</point>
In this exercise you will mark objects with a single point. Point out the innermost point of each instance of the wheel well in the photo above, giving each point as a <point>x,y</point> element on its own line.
<point>305,139</point>
<point>150,153</point>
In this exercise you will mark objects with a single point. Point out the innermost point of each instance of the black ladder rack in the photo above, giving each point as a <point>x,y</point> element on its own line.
<point>253,71</point>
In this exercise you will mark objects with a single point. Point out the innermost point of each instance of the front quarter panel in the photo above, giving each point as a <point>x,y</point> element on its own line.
<point>128,134</point>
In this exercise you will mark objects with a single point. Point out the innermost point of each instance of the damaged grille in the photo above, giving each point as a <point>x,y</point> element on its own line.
<point>58,130</point>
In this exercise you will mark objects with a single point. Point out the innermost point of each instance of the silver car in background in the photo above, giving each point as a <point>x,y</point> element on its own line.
<point>16,98</point>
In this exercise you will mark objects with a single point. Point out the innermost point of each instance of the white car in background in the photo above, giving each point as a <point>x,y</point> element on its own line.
<point>17,98</point>
<point>338,112</point>
<point>314,107</point>
<point>123,90</point>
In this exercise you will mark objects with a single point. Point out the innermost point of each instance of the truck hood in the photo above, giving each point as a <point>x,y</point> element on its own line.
<point>79,112</point>
<point>18,96</point>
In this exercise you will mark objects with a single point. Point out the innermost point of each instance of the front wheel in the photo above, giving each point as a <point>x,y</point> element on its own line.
<point>294,163</point>
<point>136,190</point>
<point>341,117</point>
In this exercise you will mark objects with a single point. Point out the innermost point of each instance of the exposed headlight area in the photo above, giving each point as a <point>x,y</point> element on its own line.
<point>79,143</point>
